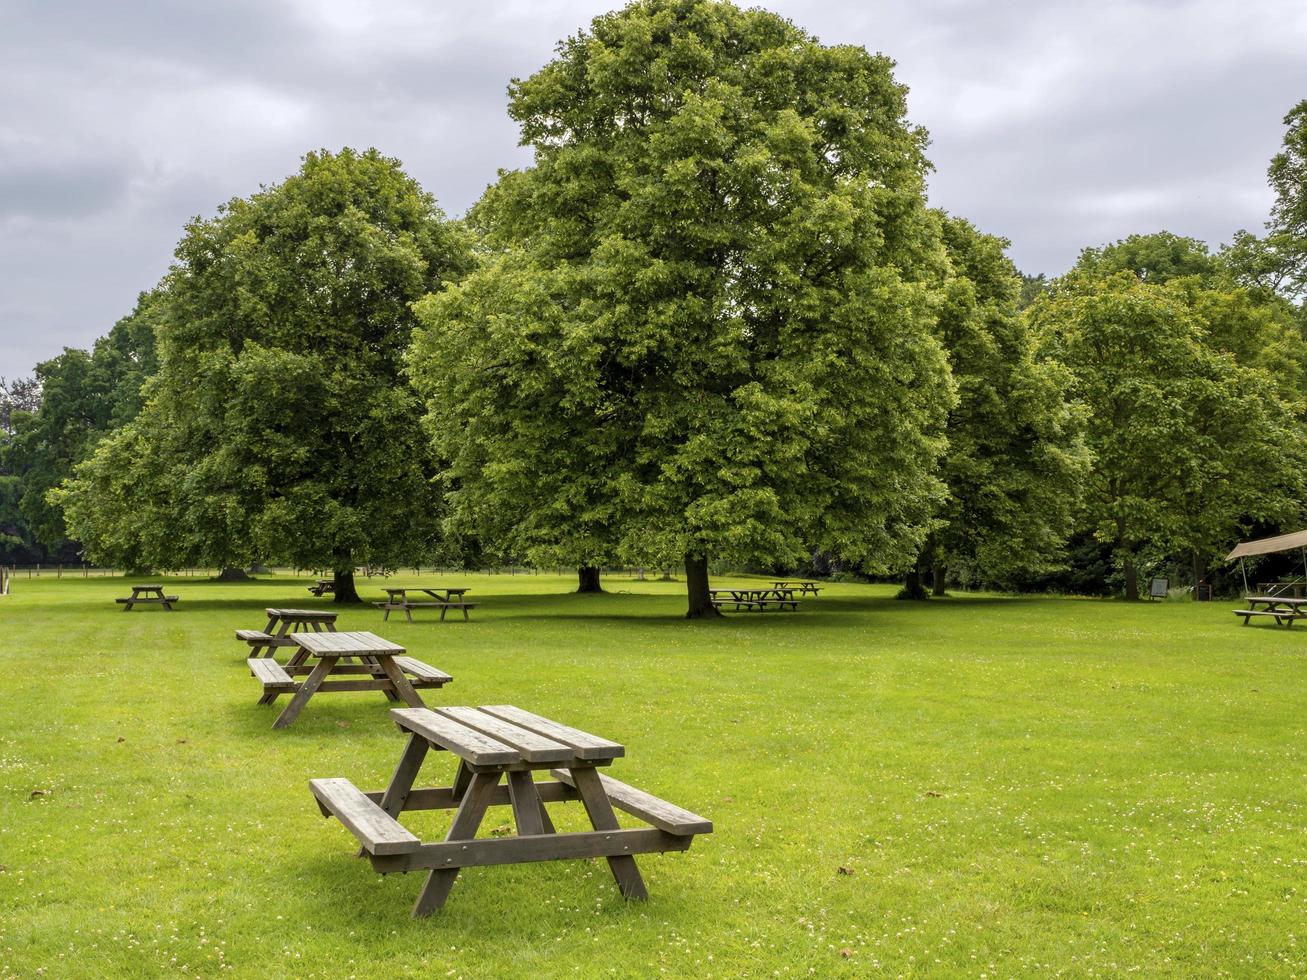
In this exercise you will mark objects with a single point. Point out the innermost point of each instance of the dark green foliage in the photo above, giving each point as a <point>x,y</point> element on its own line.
<point>280,426</point>
<point>702,327</point>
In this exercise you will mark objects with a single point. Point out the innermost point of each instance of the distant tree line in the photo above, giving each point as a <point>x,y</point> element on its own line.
<point>714,323</point>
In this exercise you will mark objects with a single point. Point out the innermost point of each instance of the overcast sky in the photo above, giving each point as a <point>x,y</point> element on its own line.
<point>1055,124</point>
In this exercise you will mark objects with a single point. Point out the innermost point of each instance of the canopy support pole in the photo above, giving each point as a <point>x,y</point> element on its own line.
<point>1243,570</point>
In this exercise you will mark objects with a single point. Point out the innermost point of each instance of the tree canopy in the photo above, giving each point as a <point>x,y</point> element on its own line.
<point>280,425</point>
<point>1188,443</point>
<point>84,396</point>
<point>1015,450</point>
<point>704,326</point>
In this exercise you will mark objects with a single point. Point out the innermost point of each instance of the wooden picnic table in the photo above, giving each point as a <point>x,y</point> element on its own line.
<point>1283,609</point>
<point>323,586</point>
<point>802,586</point>
<point>751,599</point>
<point>504,742</point>
<point>150,595</point>
<point>382,664</point>
<point>283,621</point>
<point>443,599</point>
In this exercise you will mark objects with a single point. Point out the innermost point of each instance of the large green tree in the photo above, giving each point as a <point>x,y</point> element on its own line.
<point>84,396</point>
<point>1189,444</point>
<point>1278,260</point>
<point>1016,453</point>
<point>280,425</point>
<point>704,328</point>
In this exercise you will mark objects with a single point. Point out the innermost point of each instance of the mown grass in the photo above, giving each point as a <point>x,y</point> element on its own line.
<point>1017,786</point>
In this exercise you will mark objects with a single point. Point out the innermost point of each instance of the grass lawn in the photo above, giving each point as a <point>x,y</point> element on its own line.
<point>1011,787</point>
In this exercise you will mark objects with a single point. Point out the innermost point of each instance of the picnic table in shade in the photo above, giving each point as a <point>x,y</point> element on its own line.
<point>149,595</point>
<point>752,600</point>
<point>381,666</point>
<point>1284,609</point>
<point>494,743</point>
<point>323,586</point>
<point>437,598</point>
<point>283,621</point>
<point>802,586</point>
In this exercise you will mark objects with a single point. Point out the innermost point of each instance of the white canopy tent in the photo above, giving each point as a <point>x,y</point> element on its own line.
<point>1269,546</point>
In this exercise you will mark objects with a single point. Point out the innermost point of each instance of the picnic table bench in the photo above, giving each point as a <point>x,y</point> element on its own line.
<point>503,742</point>
<point>1284,609</point>
<point>148,594</point>
<point>754,599</point>
<point>442,599</point>
<point>381,664</point>
<point>283,621</point>
<point>323,586</point>
<point>802,586</point>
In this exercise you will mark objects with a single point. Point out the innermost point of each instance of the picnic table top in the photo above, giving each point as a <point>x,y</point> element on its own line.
<point>501,734</point>
<point>1287,600</point>
<point>794,581</point>
<point>147,588</point>
<point>754,590</point>
<point>428,589</point>
<point>348,644</point>
<point>319,614</point>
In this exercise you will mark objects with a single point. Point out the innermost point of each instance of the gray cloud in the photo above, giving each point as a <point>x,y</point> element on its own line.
<point>1056,124</point>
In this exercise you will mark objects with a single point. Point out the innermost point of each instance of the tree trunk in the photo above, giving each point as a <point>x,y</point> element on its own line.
<point>233,575</point>
<point>1198,569</point>
<point>588,579</point>
<point>696,586</point>
<point>343,580</point>
<point>912,587</point>
<point>940,572</point>
<point>1131,579</point>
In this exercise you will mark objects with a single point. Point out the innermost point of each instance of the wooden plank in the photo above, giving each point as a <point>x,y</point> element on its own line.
<point>306,614</point>
<point>345,644</point>
<point>616,845</point>
<point>255,636</point>
<point>468,744</point>
<point>600,810</point>
<point>464,828</point>
<point>443,798</point>
<point>583,744</point>
<point>649,808</point>
<point>534,747</point>
<point>376,830</point>
<point>270,673</point>
<point>423,672</point>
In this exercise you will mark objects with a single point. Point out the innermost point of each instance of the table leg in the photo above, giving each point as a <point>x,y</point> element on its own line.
<point>305,691</point>
<point>600,811</point>
<point>380,674</point>
<point>402,687</point>
<point>396,794</point>
<point>528,809</point>
<point>462,780</point>
<point>466,821</point>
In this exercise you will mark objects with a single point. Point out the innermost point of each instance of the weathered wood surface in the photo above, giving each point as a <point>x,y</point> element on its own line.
<point>649,808</point>
<point>346,644</point>
<point>376,830</point>
<point>583,744</point>
<point>270,673</point>
<point>532,746</point>
<point>468,744</point>
<point>308,615</point>
<point>619,844</point>
<point>423,672</point>
<point>1282,618</point>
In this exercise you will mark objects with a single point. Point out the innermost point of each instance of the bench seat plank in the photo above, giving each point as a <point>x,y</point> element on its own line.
<point>271,673</point>
<point>376,830</point>
<point>649,808</point>
<point>466,743</point>
<point>254,636</point>
<point>423,672</point>
<point>583,744</point>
